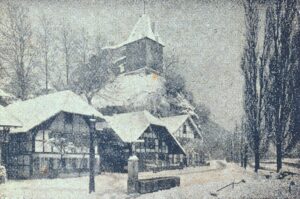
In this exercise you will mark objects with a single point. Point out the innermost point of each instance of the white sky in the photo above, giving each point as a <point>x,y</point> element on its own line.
<point>207,34</point>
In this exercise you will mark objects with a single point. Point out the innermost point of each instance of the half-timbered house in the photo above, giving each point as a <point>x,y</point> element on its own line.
<point>189,136</point>
<point>53,138</point>
<point>142,134</point>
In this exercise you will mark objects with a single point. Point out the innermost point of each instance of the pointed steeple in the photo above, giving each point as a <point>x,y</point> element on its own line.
<point>143,29</point>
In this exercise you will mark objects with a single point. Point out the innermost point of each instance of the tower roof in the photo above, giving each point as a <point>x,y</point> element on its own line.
<point>143,29</point>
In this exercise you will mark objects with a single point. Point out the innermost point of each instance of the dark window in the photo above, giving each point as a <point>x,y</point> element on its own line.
<point>184,129</point>
<point>69,118</point>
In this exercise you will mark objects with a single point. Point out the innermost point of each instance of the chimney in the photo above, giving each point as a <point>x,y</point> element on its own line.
<point>153,27</point>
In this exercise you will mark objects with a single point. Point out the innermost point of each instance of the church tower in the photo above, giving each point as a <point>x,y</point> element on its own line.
<point>144,47</point>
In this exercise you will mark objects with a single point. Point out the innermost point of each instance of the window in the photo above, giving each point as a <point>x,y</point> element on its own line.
<point>69,118</point>
<point>164,147</point>
<point>184,129</point>
<point>40,141</point>
<point>156,145</point>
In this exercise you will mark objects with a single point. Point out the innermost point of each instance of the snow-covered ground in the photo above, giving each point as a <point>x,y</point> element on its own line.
<point>196,183</point>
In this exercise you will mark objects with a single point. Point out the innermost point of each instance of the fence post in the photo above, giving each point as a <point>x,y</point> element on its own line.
<point>133,172</point>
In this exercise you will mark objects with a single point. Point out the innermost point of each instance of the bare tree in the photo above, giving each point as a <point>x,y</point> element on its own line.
<point>45,42</point>
<point>67,46</point>
<point>62,145</point>
<point>175,82</point>
<point>17,50</point>
<point>83,46</point>
<point>89,78</point>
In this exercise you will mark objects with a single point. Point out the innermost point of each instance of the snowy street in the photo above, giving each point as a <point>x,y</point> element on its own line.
<point>197,183</point>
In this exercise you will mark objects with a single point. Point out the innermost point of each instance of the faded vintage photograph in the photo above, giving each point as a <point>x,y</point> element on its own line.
<point>164,99</point>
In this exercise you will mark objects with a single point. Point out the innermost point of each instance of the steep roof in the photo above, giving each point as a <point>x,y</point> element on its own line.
<point>130,126</point>
<point>35,111</point>
<point>8,120</point>
<point>173,123</point>
<point>143,29</point>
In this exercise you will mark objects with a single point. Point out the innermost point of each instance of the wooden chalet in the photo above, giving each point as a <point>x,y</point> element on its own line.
<point>53,139</point>
<point>189,136</point>
<point>142,134</point>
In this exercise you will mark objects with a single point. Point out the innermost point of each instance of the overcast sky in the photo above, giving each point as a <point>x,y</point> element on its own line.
<point>207,34</point>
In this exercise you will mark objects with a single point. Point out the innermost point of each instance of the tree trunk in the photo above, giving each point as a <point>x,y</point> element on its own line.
<point>245,156</point>
<point>279,156</point>
<point>256,161</point>
<point>242,158</point>
<point>46,68</point>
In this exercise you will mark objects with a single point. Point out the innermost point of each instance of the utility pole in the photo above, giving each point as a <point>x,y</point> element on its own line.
<point>92,155</point>
<point>144,6</point>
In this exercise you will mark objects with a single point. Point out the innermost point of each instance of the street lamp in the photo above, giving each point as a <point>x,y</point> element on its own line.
<point>92,121</point>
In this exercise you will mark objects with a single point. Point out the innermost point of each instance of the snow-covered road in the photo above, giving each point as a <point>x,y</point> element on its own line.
<point>198,182</point>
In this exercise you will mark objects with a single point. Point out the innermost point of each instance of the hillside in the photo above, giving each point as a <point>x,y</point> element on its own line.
<point>142,89</point>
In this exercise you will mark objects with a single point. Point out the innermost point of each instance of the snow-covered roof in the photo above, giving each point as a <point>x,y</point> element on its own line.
<point>130,126</point>
<point>173,123</point>
<point>8,120</point>
<point>35,111</point>
<point>113,47</point>
<point>143,29</point>
<point>130,88</point>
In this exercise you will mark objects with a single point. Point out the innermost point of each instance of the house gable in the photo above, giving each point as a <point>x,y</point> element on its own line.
<point>182,126</point>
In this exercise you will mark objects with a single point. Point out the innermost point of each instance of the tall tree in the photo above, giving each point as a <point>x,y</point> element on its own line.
<point>17,50</point>
<point>281,73</point>
<point>83,46</point>
<point>254,70</point>
<point>67,47</point>
<point>294,125</point>
<point>45,42</point>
